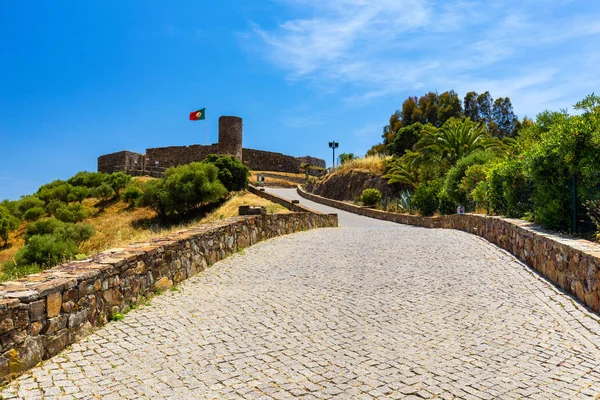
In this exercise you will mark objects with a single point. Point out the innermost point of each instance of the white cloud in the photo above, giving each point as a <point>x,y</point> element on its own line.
<point>377,48</point>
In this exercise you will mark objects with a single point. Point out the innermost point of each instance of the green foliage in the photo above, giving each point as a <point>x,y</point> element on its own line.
<point>46,251</point>
<point>78,194</point>
<point>184,189</point>
<point>454,192</point>
<point>405,139</point>
<point>344,157</point>
<point>72,213</point>
<point>56,190</point>
<point>33,214</point>
<point>87,179</point>
<point>8,223</point>
<point>117,317</point>
<point>76,233</point>
<point>509,189</point>
<point>405,201</point>
<point>27,202</point>
<point>371,197</point>
<point>131,194</point>
<point>425,199</point>
<point>402,172</point>
<point>10,271</point>
<point>117,181</point>
<point>474,184</point>
<point>233,174</point>
<point>103,192</point>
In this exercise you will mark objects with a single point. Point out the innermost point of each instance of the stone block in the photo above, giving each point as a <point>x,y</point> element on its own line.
<point>37,310</point>
<point>53,304</point>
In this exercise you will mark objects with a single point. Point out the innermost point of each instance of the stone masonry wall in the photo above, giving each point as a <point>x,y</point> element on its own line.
<point>572,264</point>
<point>119,161</point>
<point>177,155</point>
<point>258,160</point>
<point>42,313</point>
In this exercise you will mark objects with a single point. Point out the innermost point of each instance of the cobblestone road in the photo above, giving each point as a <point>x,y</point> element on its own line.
<point>368,310</point>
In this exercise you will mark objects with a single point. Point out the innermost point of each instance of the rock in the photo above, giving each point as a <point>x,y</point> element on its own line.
<point>53,304</point>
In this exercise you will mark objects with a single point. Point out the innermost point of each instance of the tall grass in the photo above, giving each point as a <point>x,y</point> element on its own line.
<point>375,164</point>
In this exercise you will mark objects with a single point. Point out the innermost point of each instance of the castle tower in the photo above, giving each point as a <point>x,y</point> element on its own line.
<point>230,136</point>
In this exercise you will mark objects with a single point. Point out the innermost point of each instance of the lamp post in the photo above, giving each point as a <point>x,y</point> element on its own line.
<point>333,145</point>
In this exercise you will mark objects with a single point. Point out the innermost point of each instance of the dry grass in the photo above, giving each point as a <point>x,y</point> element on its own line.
<point>117,225</point>
<point>375,164</point>
<point>279,179</point>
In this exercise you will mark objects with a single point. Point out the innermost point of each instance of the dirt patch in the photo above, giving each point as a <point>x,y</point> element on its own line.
<point>348,185</point>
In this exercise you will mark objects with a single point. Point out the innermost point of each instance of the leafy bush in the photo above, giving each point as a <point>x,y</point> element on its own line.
<point>78,194</point>
<point>117,181</point>
<point>233,174</point>
<point>46,251</point>
<point>184,189</point>
<point>8,223</point>
<point>131,194</point>
<point>56,190</point>
<point>509,189</point>
<point>454,192</point>
<point>27,203</point>
<point>77,233</point>
<point>72,213</point>
<point>425,199</point>
<point>86,179</point>
<point>405,139</point>
<point>371,197</point>
<point>33,214</point>
<point>405,201</point>
<point>102,192</point>
<point>474,184</point>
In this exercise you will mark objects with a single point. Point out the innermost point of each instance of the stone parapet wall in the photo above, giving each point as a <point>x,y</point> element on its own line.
<point>177,155</point>
<point>258,160</point>
<point>119,161</point>
<point>42,313</point>
<point>572,264</point>
<point>285,202</point>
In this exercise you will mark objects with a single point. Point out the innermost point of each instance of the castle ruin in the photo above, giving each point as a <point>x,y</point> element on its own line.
<point>155,161</point>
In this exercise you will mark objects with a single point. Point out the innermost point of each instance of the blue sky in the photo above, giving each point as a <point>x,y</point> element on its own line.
<point>81,79</point>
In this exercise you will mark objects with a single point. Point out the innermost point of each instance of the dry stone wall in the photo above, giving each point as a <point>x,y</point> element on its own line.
<point>573,264</point>
<point>258,160</point>
<point>120,161</point>
<point>177,155</point>
<point>42,313</point>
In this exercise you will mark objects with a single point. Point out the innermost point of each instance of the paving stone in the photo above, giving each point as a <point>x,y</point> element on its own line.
<point>368,310</point>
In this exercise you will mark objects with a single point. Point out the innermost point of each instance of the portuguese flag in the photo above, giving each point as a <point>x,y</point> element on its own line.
<point>198,115</point>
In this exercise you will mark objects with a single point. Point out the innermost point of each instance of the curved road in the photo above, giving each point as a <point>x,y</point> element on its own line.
<point>369,310</point>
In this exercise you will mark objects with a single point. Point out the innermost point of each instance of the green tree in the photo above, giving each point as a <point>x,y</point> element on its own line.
<point>344,157</point>
<point>410,112</point>
<point>484,107</point>
<point>28,202</point>
<point>78,194</point>
<point>450,106</point>
<point>503,116</point>
<point>87,179</point>
<point>233,174</point>
<point>405,139</point>
<point>454,140</point>
<point>46,251</point>
<point>55,190</point>
<point>471,107</point>
<point>117,181</point>
<point>103,192</point>
<point>8,223</point>
<point>131,194</point>
<point>33,214</point>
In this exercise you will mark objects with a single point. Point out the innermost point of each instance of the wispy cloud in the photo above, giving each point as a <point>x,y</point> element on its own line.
<point>376,48</point>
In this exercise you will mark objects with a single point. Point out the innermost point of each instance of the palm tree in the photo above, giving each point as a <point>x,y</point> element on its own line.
<point>451,142</point>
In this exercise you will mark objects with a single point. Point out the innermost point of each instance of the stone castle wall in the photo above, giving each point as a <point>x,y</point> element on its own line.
<point>177,155</point>
<point>571,263</point>
<point>43,313</point>
<point>230,142</point>
<point>258,160</point>
<point>120,161</point>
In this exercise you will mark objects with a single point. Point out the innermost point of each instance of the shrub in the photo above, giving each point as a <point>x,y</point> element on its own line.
<point>131,194</point>
<point>86,179</point>
<point>57,189</point>
<point>33,214</point>
<point>28,202</point>
<point>233,174</point>
<point>405,139</point>
<point>425,199</point>
<point>102,192</point>
<point>474,184</point>
<point>43,227</point>
<point>371,197</point>
<point>509,189</point>
<point>184,189</point>
<point>454,192</point>
<point>117,181</point>
<point>8,223</point>
<point>46,251</point>
<point>73,213</point>
<point>78,194</point>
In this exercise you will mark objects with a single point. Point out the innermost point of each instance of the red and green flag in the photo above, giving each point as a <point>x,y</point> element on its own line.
<point>198,115</point>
